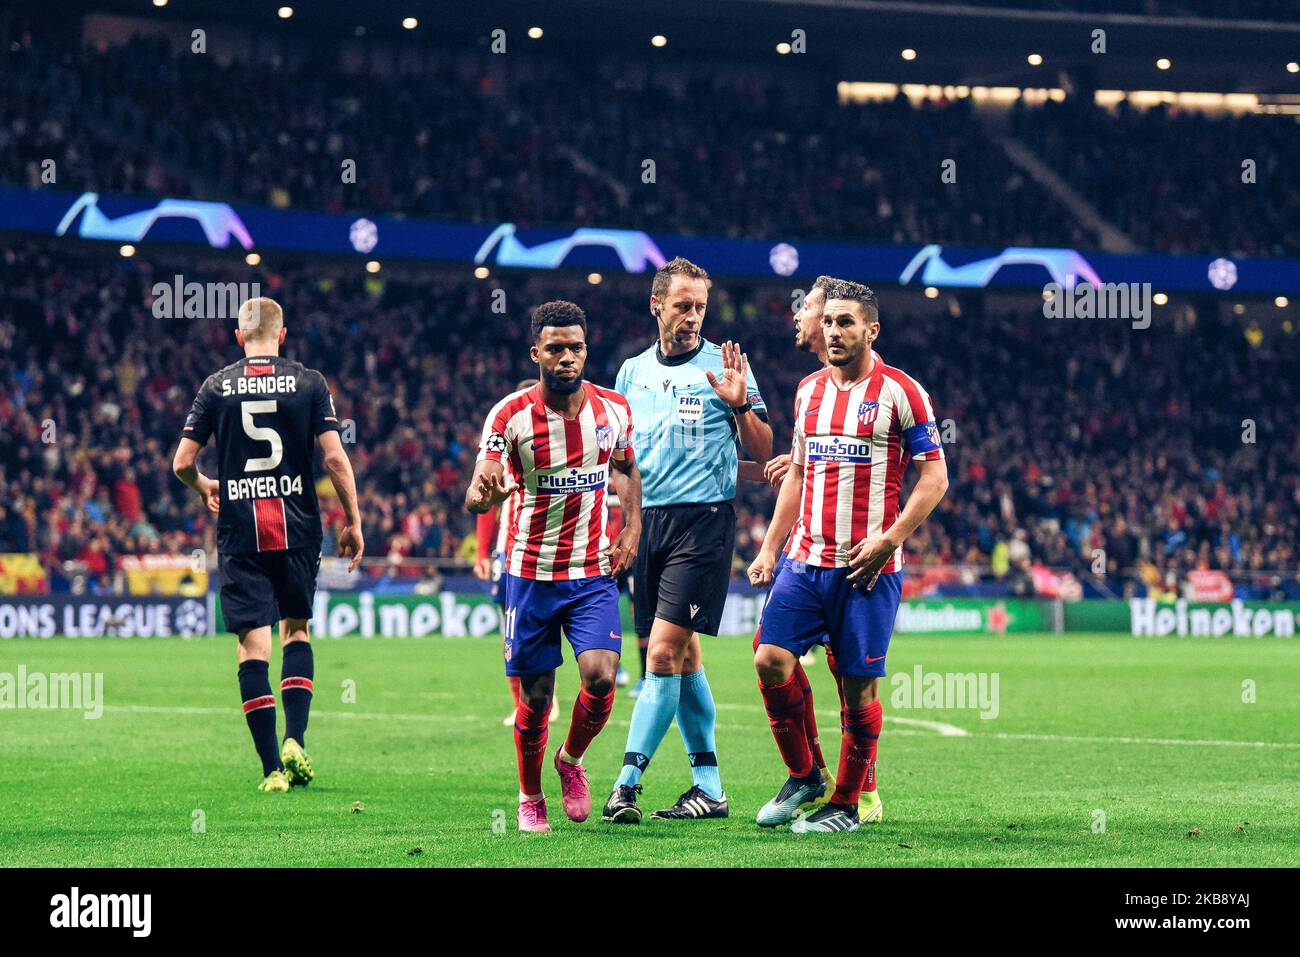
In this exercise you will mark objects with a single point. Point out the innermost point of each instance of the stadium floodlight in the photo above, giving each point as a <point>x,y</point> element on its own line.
<point>535,33</point>
<point>1164,63</point>
<point>373,266</point>
<point>1035,59</point>
<point>1281,302</point>
<point>931,292</point>
<point>909,54</point>
<point>126,250</point>
<point>595,278</point>
<point>783,48</point>
<point>1160,299</point>
<point>160,3</point>
<point>658,40</point>
<point>1293,67</point>
<point>410,23</point>
<point>284,13</point>
<point>253,259</point>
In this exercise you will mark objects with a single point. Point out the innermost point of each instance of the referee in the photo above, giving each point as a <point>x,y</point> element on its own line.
<point>691,402</point>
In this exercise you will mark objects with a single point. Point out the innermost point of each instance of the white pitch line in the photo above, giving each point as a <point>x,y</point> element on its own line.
<point>941,728</point>
<point>913,726</point>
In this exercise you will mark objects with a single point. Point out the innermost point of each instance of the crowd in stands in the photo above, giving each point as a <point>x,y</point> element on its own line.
<point>1177,180</point>
<point>536,141</point>
<point>1064,437</point>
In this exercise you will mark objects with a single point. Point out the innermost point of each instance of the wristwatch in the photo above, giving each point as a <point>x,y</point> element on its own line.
<point>742,409</point>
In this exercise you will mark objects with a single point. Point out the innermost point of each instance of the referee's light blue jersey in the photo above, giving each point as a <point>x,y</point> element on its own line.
<point>684,436</point>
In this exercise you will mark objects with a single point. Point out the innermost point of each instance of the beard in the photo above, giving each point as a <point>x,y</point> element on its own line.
<point>561,386</point>
<point>847,356</point>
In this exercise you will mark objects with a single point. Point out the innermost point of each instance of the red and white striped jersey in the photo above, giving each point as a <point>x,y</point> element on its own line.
<point>854,444</point>
<point>558,531</point>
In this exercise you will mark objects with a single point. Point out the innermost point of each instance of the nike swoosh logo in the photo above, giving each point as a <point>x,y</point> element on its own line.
<point>870,659</point>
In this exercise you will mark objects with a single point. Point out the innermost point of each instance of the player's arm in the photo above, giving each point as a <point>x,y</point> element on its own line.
<point>351,544</point>
<point>488,487</point>
<point>626,478</point>
<point>185,467</point>
<point>755,435</point>
<point>870,555</point>
<point>195,434</point>
<point>778,530</point>
<point>748,471</point>
<point>734,388</point>
<point>920,437</point>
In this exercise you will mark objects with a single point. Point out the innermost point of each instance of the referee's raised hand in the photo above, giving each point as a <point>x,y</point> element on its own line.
<point>735,371</point>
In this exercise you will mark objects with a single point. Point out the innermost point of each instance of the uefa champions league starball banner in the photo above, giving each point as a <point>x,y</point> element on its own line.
<point>241,228</point>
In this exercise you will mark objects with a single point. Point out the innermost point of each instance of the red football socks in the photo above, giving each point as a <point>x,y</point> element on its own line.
<point>858,753</point>
<point>589,715</point>
<point>785,713</point>
<point>809,716</point>
<point>530,745</point>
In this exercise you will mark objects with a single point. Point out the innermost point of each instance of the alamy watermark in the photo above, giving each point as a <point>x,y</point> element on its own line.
<point>1109,300</point>
<point>921,689</point>
<point>179,299</point>
<point>75,909</point>
<point>37,690</point>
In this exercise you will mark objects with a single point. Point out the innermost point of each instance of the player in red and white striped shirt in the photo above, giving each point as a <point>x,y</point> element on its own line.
<point>558,441</point>
<point>492,546</point>
<point>858,424</point>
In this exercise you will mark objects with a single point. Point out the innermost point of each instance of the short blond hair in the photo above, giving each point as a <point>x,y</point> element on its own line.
<point>261,319</point>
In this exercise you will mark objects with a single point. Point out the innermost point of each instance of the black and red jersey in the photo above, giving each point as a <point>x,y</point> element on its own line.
<point>265,413</point>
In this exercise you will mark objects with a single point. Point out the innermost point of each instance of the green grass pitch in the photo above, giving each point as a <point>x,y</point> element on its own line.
<point>1153,734</point>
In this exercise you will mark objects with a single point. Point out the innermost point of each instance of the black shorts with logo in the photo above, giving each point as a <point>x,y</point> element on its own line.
<point>683,566</point>
<point>261,588</point>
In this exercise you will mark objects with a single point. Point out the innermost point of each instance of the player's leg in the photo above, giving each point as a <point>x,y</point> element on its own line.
<point>801,676</point>
<point>656,705</point>
<point>792,622</point>
<point>861,626</point>
<point>259,703</point>
<point>293,580</point>
<point>249,610</point>
<point>651,717</point>
<point>696,716</point>
<point>536,692</point>
<point>532,653</point>
<point>297,684</point>
<point>499,597</point>
<point>693,591</point>
<point>594,629</point>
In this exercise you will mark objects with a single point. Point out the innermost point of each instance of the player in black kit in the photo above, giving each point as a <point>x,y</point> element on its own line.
<point>265,411</point>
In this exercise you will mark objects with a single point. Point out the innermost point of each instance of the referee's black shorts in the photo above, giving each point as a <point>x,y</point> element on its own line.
<point>683,566</point>
<point>261,588</point>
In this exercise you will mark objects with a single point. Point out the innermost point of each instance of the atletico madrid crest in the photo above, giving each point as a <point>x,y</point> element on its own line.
<point>605,437</point>
<point>867,413</point>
